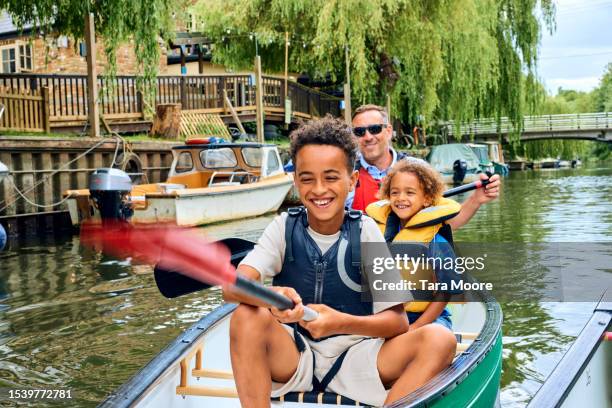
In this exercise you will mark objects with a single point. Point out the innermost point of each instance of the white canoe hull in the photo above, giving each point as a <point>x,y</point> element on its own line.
<point>583,378</point>
<point>177,381</point>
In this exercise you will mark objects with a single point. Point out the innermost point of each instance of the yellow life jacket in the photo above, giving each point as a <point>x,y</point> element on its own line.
<point>422,228</point>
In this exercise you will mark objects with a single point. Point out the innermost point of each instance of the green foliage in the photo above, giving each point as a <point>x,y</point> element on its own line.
<point>603,93</point>
<point>444,59</point>
<point>568,101</point>
<point>116,21</point>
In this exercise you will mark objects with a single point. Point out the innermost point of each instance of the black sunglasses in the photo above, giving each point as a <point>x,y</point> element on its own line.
<point>373,129</point>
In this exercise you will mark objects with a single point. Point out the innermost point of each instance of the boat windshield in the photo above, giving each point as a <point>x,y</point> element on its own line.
<point>482,152</point>
<point>252,156</point>
<point>218,158</point>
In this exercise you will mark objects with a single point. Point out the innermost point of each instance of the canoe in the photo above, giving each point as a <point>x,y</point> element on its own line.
<point>195,369</point>
<point>583,377</point>
<point>208,182</point>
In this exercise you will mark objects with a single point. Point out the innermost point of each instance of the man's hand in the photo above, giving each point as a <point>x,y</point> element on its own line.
<point>288,315</point>
<point>489,192</point>
<point>326,324</point>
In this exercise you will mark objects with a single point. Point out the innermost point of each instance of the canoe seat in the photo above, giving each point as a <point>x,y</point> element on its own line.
<point>318,398</point>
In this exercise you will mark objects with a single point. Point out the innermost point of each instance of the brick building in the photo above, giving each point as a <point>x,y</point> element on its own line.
<point>58,54</point>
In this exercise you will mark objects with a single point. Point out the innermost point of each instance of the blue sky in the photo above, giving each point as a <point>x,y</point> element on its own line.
<point>575,55</point>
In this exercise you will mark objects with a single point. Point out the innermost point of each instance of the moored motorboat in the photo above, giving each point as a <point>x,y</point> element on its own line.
<point>455,162</point>
<point>583,377</point>
<point>208,182</point>
<point>195,369</point>
<point>482,152</point>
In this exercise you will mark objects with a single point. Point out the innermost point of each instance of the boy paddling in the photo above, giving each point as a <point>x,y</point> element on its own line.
<point>358,349</point>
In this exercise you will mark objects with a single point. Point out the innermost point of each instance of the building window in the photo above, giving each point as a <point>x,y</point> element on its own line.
<point>9,63</point>
<point>25,57</point>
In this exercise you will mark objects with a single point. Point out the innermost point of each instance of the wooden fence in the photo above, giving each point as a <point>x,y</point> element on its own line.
<point>120,97</point>
<point>25,109</point>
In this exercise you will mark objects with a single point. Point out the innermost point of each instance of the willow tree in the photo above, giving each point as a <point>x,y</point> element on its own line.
<point>444,59</point>
<point>116,22</point>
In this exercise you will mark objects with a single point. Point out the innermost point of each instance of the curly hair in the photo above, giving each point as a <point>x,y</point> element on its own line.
<point>326,131</point>
<point>430,180</point>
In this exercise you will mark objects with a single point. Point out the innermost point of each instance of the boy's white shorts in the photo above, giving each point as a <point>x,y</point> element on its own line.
<point>357,378</point>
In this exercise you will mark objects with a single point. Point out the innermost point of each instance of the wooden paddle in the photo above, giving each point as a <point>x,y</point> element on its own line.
<point>174,249</point>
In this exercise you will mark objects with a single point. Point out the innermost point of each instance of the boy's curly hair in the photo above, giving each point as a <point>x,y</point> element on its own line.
<point>428,177</point>
<point>326,131</point>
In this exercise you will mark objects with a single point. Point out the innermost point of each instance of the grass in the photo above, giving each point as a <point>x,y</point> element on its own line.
<point>281,142</point>
<point>141,137</point>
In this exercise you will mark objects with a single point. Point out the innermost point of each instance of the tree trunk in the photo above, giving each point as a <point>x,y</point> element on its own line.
<point>167,121</point>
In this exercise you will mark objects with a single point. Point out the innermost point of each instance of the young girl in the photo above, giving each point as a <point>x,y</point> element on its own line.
<point>413,210</point>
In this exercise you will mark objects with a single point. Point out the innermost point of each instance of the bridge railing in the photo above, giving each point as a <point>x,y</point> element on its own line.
<point>534,124</point>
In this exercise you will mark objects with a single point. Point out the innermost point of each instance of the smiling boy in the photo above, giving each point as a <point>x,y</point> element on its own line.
<point>355,348</point>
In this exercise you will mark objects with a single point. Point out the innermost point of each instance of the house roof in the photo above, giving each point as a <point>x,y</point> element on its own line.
<point>8,29</point>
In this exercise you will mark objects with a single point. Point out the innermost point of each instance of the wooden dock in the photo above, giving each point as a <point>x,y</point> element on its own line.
<point>121,102</point>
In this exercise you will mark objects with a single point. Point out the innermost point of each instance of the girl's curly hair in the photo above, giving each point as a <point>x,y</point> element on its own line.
<point>430,180</point>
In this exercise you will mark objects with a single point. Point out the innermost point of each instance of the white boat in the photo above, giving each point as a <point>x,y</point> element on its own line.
<point>207,183</point>
<point>195,369</point>
<point>583,377</point>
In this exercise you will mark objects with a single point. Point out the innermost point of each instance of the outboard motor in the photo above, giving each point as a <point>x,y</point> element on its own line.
<point>459,170</point>
<point>108,189</point>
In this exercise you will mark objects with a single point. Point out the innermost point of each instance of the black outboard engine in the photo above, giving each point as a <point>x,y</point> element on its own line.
<point>459,170</point>
<point>108,189</point>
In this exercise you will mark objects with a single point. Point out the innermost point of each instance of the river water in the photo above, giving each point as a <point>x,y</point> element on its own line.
<point>74,319</point>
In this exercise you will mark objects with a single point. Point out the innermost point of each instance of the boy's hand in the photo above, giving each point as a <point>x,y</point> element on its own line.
<point>489,192</point>
<point>326,324</point>
<point>289,315</point>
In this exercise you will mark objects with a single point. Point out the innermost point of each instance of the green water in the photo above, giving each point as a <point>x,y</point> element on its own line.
<point>71,318</point>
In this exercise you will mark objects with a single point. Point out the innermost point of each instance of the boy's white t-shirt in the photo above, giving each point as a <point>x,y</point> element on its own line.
<point>268,254</point>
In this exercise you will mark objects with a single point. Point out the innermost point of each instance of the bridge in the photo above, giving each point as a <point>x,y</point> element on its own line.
<point>581,126</point>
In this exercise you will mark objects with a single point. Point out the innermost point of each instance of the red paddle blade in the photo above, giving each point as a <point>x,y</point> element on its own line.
<point>172,248</point>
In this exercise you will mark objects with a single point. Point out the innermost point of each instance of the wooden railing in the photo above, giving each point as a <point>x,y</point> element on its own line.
<point>25,110</point>
<point>537,124</point>
<point>120,98</point>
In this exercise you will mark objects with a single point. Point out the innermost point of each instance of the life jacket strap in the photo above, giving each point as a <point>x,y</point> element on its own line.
<point>392,227</point>
<point>293,214</point>
<point>320,386</point>
<point>354,226</point>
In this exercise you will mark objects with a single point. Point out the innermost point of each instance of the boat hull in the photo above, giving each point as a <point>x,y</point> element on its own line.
<point>191,207</point>
<point>583,377</point>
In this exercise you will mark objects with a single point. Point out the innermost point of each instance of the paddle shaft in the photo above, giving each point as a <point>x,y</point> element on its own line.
<point>279,301</point>
<point>466,187</point>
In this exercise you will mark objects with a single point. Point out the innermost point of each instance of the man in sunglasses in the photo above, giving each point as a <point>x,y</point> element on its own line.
<point>374,133</point>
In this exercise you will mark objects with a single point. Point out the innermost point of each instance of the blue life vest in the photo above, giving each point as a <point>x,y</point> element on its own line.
<point>333,278</point>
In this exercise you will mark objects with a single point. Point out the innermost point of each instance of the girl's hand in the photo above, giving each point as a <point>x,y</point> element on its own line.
<point>489,192</point>
<point>288,315</point>
<point>326,324</point>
